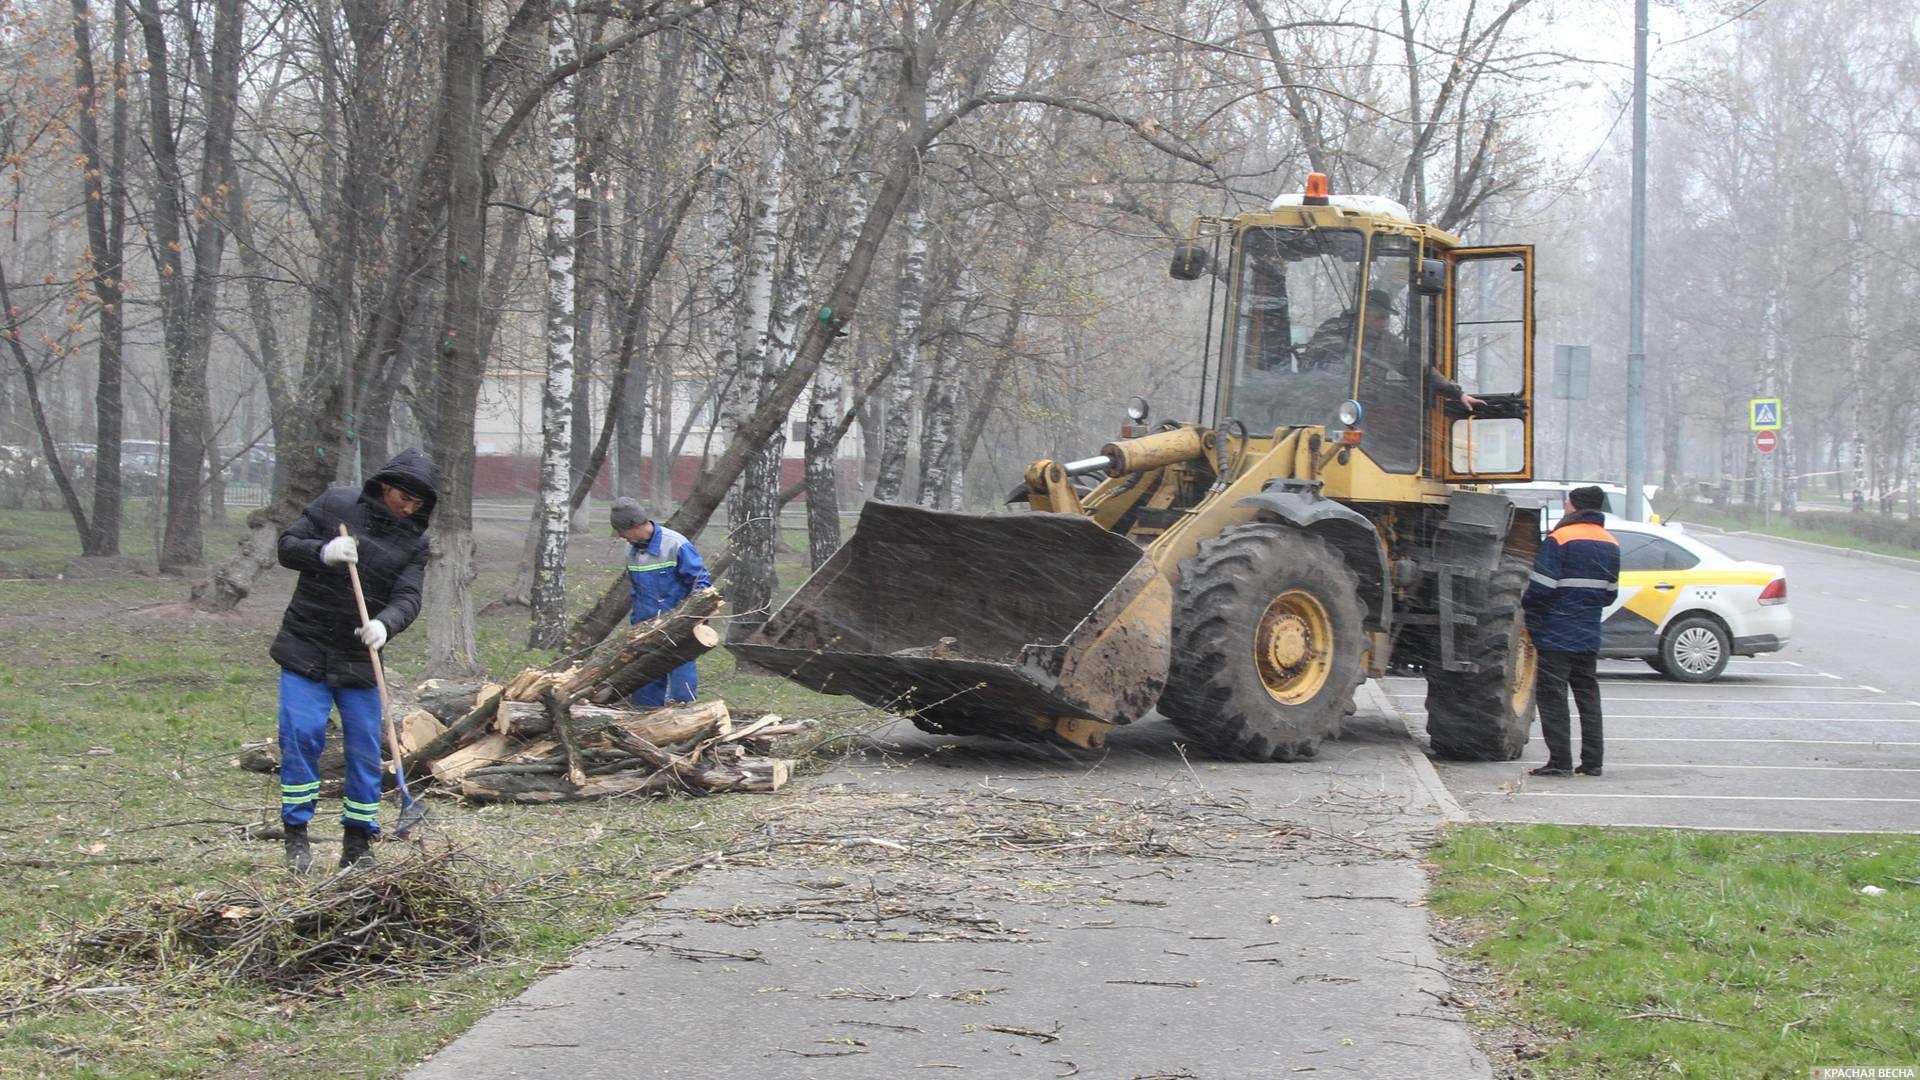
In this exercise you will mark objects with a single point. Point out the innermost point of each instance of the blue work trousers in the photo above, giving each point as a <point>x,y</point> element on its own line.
<point>304,705</point>
<point>680,684</point>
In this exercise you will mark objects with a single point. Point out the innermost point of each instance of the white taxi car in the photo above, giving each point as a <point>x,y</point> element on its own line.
<point>1686,607</point>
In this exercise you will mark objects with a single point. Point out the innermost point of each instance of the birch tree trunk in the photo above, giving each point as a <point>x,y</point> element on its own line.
<point>549,615</point>
<point>906,350</point>
<point>937,415</point>
<point>837,100</point>
<point>753,515</point>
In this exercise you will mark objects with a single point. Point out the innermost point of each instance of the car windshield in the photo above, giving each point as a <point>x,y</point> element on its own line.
<point>1295,295</point>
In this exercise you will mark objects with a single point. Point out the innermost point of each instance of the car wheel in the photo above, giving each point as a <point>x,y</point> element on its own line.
<point>1694,649</point>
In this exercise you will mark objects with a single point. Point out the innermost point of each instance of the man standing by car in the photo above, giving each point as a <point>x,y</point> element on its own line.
<point>1575,576</point>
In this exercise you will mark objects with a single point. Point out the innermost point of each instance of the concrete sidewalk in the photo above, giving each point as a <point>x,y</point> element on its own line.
<point>1009,910</point>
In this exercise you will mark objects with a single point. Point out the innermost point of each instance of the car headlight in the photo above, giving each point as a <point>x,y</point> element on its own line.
<point>1350,413</point>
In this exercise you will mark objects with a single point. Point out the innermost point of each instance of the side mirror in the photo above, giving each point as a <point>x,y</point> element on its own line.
<point>1432,279</point>
<point>1189,261</point>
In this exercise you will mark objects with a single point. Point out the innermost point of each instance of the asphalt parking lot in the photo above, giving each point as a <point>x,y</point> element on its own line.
<point>1773,745</point>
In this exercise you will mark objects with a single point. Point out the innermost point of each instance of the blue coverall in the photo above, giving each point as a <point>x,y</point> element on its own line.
<point>663,573</point>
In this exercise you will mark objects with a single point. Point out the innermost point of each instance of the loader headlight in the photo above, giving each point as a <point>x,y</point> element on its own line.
<point>1137,410</point>
<point>1350,413</point>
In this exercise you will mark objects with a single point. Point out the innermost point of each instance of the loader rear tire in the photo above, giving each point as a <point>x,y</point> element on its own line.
<point>1485,715</point>
<point>1266,644</point>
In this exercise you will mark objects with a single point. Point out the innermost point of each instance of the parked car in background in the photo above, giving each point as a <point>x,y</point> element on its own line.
<point>1550,496</point>
<point>1686,607</point>
<point>140,466</point>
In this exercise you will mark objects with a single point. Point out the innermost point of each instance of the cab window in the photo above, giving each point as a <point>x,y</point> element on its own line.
<point>1639,551</point>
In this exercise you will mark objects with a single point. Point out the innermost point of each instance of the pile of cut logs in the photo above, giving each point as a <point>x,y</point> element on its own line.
<point>565,733</point>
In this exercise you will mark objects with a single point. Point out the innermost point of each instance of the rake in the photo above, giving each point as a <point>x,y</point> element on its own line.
<point>412,812</point>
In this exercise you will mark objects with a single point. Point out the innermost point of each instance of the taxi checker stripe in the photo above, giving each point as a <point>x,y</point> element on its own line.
<point>635,568</point>
<point>1571,582</point>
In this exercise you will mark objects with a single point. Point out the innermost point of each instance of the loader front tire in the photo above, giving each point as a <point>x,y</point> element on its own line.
<point>1266,644</point>
<point>1485,715</point>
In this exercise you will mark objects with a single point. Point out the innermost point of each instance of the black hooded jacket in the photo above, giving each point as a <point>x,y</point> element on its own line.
<point>316,633</point>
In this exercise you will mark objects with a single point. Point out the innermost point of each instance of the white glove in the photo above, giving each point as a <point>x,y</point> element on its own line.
<point>340,549</point>
<point>373,635</point>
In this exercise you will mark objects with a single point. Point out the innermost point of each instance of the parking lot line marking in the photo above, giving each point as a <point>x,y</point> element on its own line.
<point>1711,828</point>
<point>1607,698</point>
<point>1744,661</point>
<point>1871,689</point>
<point>1784,740</point>
<point>1785,768</point>
<point>1795,719</point>
<point>1724,798</point>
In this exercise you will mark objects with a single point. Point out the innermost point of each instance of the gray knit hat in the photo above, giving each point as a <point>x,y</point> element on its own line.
<point>627,513</point>
<point>1591,497</point>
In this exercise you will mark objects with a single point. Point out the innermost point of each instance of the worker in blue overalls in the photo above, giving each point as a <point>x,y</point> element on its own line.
<point>663,569</point>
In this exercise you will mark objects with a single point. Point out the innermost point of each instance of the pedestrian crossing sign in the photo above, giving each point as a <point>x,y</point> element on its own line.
<point>1763,414</point>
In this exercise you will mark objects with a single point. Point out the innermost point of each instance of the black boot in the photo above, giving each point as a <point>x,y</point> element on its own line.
<point>355,849</point>
<point>299,854</point>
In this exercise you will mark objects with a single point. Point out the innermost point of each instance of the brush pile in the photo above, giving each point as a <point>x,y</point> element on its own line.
<point>565,733</point>
<point>393,922</point>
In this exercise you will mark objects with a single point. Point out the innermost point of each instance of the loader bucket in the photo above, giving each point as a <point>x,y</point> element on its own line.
<point>994,623</point>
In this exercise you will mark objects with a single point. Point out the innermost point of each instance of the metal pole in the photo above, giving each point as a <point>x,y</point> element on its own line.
<point>1637,280</point>
<point>1566,445</point>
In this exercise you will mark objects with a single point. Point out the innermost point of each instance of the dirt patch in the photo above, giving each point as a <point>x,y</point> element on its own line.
<point>1511,1042</point>
<point>97,567</point>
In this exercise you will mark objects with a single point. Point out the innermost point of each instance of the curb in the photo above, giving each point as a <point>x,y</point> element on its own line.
<point>1848,553</point>
<point>1423,770</point>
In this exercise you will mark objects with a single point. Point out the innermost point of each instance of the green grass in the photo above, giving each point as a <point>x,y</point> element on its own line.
<point>1743,519</point>
<point>120,712</point>
<point>1696,954</point>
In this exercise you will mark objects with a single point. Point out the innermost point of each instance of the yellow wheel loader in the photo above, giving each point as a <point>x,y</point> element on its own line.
<point>1324,523</point>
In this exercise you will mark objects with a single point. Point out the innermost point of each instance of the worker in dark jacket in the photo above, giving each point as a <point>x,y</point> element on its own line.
<point>322,649</point>
<point>1575,576</point>
<point>663,569</point>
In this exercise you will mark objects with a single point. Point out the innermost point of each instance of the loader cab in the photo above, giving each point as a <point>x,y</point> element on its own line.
<point>1337,298</point>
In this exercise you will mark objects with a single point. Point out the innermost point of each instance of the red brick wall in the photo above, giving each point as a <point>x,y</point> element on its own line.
<point>497,476</point>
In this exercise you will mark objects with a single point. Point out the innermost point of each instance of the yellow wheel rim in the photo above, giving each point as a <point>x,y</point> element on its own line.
<point>1526,663</point>
<point>1293,647</point>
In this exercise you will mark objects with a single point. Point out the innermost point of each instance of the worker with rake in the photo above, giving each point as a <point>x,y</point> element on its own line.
<point>375,539</point>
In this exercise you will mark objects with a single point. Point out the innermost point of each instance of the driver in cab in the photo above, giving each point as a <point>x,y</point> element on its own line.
<point>1385,371</point>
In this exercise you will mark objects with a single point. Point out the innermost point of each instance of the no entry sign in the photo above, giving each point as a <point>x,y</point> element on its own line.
<point>1765,441</point>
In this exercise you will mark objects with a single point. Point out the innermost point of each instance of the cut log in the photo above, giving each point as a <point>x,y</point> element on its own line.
<point>562,723</point>
<point>417,729</point>
<point>265,757</point>
<point>662,656</point>
<point>458,733</point>
<point>537,788</point>
<point>448,699</point>
<point>491,750</point>
<point>745,774</point>
<point>667,726</point>
<point>670,631</point>
<point>524,787</point>
<point>259,755</point>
